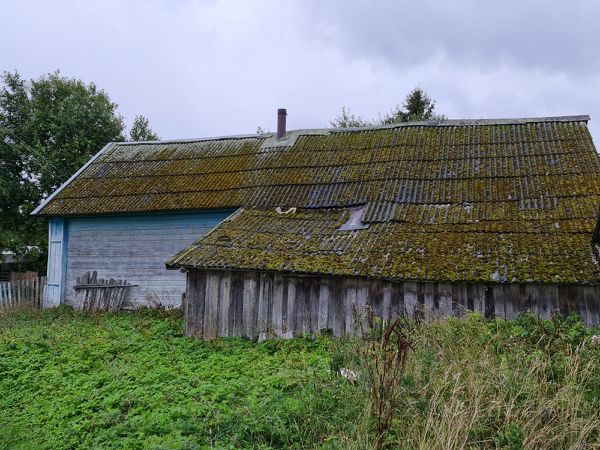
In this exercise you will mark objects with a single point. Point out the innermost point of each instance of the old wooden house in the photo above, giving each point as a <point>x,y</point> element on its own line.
<point>495,216</point>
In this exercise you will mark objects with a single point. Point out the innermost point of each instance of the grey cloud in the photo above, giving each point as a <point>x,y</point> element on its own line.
<point>203,68</point>
<point>559,36</point>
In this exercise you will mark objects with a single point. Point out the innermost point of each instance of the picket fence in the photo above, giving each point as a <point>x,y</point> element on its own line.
<point>30,292</point>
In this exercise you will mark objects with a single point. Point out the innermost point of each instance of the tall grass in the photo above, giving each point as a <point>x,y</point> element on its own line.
<point>523,384</point>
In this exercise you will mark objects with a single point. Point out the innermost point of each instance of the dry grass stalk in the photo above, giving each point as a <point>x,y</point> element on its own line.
<point>383,351</point>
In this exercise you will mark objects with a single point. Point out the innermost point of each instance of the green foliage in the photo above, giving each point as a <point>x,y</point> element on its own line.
<point>510,438</point>
<point>132,380</point>
<point>417,106</point>
<point>68,122</point>
<point>141,131</point>
<point>49,128</point>
<point>348,120</point>
<point>17,192</point>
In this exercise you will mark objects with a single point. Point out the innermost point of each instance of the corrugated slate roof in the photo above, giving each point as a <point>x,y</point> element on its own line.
<point>536,163</point>
<point>522,194</point>
<point>163,176</point>
<point>311,241</point>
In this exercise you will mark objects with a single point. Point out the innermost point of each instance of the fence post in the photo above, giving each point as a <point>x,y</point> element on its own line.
<point>44,289</point>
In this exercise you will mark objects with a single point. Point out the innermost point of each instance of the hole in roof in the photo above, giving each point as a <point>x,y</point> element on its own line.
<point>355,222</point>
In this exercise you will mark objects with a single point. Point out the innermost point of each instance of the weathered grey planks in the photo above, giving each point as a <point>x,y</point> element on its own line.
<point>445,298</point>
<point>224,304</point>
<point>324,296</point>
<point>134,247</point>
<point>236,321</point>
<point>31,291</point>
<point>259,305</point>
<point>99,294</point>
<point>194,303</point>
<point>277,311</point>
<point>250,298</point>
<point>410,297</point>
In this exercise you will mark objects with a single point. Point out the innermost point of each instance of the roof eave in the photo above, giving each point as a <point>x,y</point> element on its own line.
<point>189,267</point>
<point>596,233</point>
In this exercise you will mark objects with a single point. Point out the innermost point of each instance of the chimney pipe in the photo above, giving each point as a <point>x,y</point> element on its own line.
<point>281,115</point>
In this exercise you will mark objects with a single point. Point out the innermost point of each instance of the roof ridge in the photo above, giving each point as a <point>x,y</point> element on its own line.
<point>202,139</point>
<point>467,122</point>
<point>422,123</point>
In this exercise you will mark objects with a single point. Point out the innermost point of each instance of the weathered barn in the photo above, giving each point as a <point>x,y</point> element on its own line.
<point>497,216</point>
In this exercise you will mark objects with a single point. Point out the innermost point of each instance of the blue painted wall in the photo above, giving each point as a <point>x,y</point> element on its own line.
<point>132,247</point>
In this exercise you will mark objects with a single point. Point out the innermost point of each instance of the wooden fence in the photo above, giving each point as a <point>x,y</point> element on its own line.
<point>30,291</point>
<point>100,294</point>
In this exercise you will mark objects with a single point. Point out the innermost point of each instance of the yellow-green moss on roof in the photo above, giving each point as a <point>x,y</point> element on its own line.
<point>533,163</point>
<point>310,241</point>
<point>147,177</point>
<point>469,200</point>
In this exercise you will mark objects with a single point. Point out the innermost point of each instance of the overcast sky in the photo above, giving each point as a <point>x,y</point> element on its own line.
<point>208,68</point>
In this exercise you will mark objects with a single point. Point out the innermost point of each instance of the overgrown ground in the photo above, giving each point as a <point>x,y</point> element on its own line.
<point>132,380</point>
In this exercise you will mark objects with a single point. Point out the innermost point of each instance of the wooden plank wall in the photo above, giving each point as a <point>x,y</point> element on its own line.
<point>264,304</point>
<point>57,241</point>
<point>135,248</point>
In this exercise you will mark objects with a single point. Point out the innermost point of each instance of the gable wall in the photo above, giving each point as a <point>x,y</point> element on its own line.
<point>134,248</point>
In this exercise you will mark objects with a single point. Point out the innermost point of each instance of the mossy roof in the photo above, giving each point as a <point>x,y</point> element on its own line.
<point>310,241</point>
<point>443,200</point>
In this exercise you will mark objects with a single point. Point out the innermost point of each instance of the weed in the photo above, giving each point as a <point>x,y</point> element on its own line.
<point>383,350</point>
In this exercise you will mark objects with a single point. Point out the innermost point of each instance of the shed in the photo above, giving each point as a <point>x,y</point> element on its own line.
<point>494,216</point>
<point>133,205</point>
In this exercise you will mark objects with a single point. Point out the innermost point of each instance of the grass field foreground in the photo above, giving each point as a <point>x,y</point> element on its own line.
<point>132,380</point>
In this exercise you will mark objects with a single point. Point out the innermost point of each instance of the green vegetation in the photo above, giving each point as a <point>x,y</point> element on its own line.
<point>49,127</point>
<point>141,131</point>
<point>132,380</point>
<point>417,106</point>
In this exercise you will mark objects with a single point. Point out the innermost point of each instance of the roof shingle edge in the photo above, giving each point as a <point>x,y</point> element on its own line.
<point>468,122</point>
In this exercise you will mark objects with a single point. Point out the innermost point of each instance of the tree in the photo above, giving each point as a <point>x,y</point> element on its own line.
<point>417,106</point>
<point>49,127</point>
<point>348,120</point>
<point>69,122</point>
<point>141,131</point>
<point>16,192</point>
